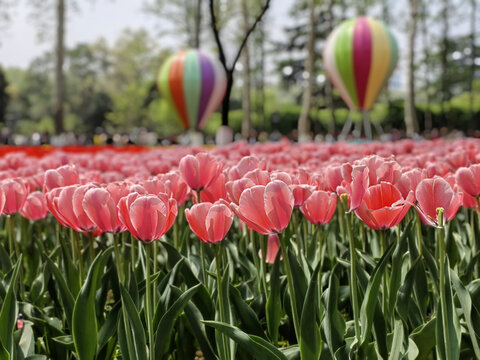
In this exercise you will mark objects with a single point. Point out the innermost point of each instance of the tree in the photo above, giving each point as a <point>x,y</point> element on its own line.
<point>246,106</point>
<point>87,93</point>
<point>445,77</point>
<point>185,16</point>
<point>411,122</point>
<point>473,53</point>
<point>135,63</point>
<point>304,120</point>
<point>427,66</point>
<point>229,69</point>
<point>59,75</point>
<point>3,95</point>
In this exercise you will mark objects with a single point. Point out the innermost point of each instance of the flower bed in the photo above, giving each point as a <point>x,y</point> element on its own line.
<point>371,251</point>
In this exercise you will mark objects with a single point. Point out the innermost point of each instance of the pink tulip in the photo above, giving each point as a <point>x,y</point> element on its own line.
<point>273,246</point>
<point>319,207</point>
<point>383,206</point>
<point>62,176</point>
<point>246,164</point>
<point>101,209</point>
<point>147,217</point>
<point>234,189</point>
<point>52,204</point>
<point>409,180</point>
<point>210,222</point>
<point>301,193</point>
<point>469,179</point>
<point>437,193</point>
<point>176,186</point>
<point>35,206</point>
<point>215,191</point>
<point>355,186</point>
<point>15,193</point>
<point>199,171</point>
<point>258,177</point>
<point>266,209</point>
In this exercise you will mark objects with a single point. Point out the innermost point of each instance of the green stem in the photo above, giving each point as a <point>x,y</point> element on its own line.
<point>90,247</point>
<point>385,274</point>
<point>297,232</point>
<point>148,303</point>
<point>132,252</point>
<point>204,266</point>
<point>175,236</point>
<point>155,269</point>
<point>118,259</point>
<point>320,245</point>
<point>291,290</point>
<point>76,243</point>
<point>253,241</point>
<point>263,264</point>
<point>221,297</point>
<point>341,219</point>
<point>11,245</point>
<point>443,299</point>
<point>419,234</point>
<point>353,278</point>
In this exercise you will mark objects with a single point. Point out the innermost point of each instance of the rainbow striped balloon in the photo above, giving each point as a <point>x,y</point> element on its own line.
<point>194,84</point>
<point>360,55</point>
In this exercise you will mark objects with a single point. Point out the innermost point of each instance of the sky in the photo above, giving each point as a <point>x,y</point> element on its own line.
<point>94,19</point>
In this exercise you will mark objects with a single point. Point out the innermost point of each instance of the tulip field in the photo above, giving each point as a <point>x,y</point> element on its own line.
<point>270,251</point>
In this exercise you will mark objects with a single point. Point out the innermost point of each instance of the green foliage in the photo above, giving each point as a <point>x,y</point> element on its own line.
<point>3,95</point>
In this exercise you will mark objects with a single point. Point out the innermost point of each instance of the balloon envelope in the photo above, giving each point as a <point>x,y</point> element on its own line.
<point>194,84</point>
<point>359,57</point>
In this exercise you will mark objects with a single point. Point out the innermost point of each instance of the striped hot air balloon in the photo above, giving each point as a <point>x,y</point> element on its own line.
<point>194,84</point>
<point>359,57</point>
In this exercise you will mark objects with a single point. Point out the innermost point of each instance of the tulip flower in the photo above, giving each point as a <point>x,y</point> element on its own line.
<point>35,206</point>
<point>469,179</point>
<point>15,193</point>
<point>301,193</point>
<point>266,209</point>
<point>234,189</point>
<point>176,186</point>
<point>101,209</point>
<point>216,190</point>
<point>273,246</point>
<point>383,206</point>
<point>209,221</point>
<point>199,171</point>
<point>437,193</point>
<point>319,207</point>
<point>147,217</point>
<point>62,176</point>
<point>355,185</point>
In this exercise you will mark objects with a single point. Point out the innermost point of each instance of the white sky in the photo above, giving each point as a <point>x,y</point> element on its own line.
<point>102,18</point>
<point>107,18</point>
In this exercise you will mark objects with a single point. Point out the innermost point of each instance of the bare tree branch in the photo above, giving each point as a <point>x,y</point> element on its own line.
<point>247,35</point>
<point>217,35</point>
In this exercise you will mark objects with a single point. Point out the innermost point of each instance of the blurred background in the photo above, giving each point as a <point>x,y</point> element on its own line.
<point>84,71</point>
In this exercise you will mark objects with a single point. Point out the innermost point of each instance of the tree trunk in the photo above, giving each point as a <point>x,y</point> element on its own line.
<point>304,125</point>
<point>221,54</point>
<point>260,79</point>
<point>328,85</point>
<point>59,76</point>
<point>246,121</point>
<point>426,46</point>
<point>198,24</point>
<point>386,19</point>
<point>444,62</point>
<point>411,123</point>
<point>226,99</point>
<point>473,4</point>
